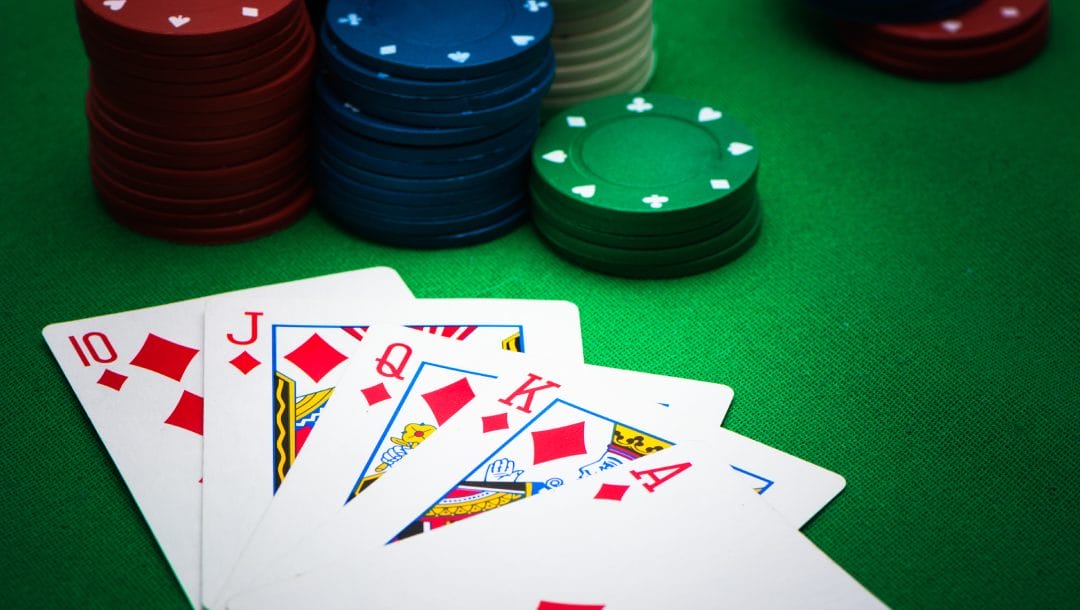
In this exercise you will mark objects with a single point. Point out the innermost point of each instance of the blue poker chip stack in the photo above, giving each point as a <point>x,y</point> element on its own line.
<point>425,114</point>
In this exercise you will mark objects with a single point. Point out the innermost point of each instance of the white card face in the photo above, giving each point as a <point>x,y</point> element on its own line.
<point>139,377</point>
<point>674,529</point>
<point>529,430</point>
<point>375,421</point>
<point>273,365</point>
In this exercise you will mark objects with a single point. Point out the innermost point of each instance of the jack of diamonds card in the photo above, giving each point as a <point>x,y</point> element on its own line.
<point>139,377</point>
<point>273,367</point>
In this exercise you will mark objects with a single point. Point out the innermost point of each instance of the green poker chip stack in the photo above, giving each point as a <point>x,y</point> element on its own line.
<point>646,185</point>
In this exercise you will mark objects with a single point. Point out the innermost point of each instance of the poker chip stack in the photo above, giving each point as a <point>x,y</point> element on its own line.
<point>426,112</point>
<point>198,114</point>
<point>602,47</point>
<point>646,186</point>
<point>952,40</point>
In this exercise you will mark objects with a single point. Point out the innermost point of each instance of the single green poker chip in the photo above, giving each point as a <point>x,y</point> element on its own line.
<point>645,160</point>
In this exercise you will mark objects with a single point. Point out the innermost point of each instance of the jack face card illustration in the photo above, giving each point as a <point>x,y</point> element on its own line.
<point>273,370</point>
<point>139,377</point>
<point>680,518</point>
<point>398,391</point>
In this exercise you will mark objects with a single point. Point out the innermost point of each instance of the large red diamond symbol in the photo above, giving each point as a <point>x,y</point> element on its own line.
<point>375,394</point>
<point>112,380</point>
<point>557,606</point>
<point>245,362</point>
<point>188,413</point>
<point>164,357</point>
<point>608,491</point>
<point>449,399</point>
<point>558,443</point>
<point>316,357</point>
<point>495,422</point>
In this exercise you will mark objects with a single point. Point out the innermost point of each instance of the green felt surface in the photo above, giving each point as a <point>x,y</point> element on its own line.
<point>910,317</point>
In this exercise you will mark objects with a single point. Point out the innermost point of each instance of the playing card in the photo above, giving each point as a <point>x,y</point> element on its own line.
<point>273,366</point>
<point>139,377</point>
<point>532,427</point>
<point>680,519</point>
<point>374,421</point>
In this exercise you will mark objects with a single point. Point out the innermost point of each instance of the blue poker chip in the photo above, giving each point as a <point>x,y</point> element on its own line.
<point>447,202</point>
<point>513,168</point>
<point>403,166</point>
<point>506,92</point>
<point>509,112</point>
<point>343,66</point>
<point>415,222</point>
<point>456,240</point>
<point>440,40</point>
<point>356,120</point>
<point>516,137</point>
<point>440,233</point>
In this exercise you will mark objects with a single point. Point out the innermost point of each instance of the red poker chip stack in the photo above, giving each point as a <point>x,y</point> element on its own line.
<point>991,38</point>
<point>198,114</point>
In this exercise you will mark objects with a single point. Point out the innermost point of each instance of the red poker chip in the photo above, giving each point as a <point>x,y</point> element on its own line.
<point>187,27</point>
<point>1035,34</point>
<point>194,155</point>
<point>1006,58</point>
<point>285,182</point>
<point>281,218</point>
<point>258,76</point>
<point>287,88</point>
<point>203,184</point>
<point>986,22</point>
<point>223,79</point>
<point>174,131</point>
<point>205,126</point>
<point>195,219</point>
<point>128,128</point>
<point>138,61</point>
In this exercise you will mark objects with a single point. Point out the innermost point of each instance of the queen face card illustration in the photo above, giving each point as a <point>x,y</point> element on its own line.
<point>273,368</point>
<point>139,377</point>
<point>673,529</point>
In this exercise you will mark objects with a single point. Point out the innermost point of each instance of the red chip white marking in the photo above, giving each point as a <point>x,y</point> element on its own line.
<point>952,26</point>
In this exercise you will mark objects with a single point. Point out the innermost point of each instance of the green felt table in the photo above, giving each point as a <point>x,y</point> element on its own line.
<point>910,317</point>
